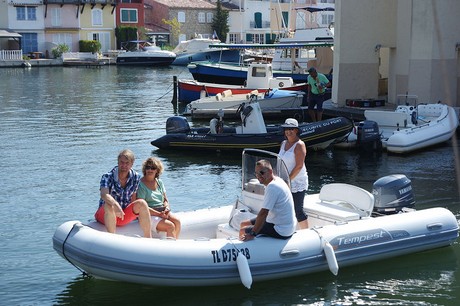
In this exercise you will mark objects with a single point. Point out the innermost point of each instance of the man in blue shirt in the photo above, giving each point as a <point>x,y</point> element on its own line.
<point>317,83</point>
<point>118,205</point>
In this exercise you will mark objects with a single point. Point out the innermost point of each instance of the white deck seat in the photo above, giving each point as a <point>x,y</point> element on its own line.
<point>330,212</point>
<point>431,110</point>
<point>345,195</point>
<point>224,230</point>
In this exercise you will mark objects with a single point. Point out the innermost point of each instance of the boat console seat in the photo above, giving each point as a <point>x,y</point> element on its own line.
<point>254,186</point>
<point>339,202</point>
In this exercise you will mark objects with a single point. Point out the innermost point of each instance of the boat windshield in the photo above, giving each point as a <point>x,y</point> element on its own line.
<point>251,156</point>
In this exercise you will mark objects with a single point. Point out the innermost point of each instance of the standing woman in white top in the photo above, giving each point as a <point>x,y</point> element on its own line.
<point>293,152</point>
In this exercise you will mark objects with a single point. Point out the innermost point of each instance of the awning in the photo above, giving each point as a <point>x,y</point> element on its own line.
<point>304,45</point>
<point>6,34</point>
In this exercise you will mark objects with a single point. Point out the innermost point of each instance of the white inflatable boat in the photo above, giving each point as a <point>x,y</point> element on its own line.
<point>409,128</point>
<point>347,226</point>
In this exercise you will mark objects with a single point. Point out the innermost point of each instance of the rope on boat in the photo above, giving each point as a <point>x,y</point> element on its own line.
<point>167,91</point>
<point>65,256</point>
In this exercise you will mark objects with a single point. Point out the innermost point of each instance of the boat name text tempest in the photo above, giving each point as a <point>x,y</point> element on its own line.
<point>361,238</point>
<point>226,255</point>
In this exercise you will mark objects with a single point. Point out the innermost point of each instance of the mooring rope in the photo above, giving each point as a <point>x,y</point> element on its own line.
<point>65,256</point>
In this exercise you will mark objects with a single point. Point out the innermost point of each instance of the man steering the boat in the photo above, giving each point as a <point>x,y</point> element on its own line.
<point>118,204</point>
<point>276,218</point>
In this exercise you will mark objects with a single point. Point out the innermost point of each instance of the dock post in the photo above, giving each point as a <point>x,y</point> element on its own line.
<point>174,98</point>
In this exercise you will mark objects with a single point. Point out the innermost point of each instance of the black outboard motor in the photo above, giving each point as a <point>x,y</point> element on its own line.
<point>392,193</point>
<point>177,124</point>
<point>368,138</point>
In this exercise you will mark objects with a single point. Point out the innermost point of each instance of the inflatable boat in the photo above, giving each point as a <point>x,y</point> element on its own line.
<point>409,128</point>
<point>348,226</point>
<point>251,133</point>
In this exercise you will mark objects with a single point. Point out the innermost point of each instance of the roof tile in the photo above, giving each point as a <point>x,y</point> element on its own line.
<point>187,4</point>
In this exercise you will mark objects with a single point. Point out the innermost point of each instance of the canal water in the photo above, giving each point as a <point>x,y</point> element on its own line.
<point>61,128</point>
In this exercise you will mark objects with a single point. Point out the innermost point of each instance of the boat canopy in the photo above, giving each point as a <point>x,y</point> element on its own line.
<point>305,45</point>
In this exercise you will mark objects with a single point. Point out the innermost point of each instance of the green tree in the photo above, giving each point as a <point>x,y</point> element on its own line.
<point>124,34</point>
<point>220,22</point>
<point>59,49</point>
<point>175,27</point>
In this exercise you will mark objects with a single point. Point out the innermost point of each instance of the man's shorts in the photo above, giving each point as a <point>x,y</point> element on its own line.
<point>267,229</point>
<point>316,100</point>
<point>129,215</point>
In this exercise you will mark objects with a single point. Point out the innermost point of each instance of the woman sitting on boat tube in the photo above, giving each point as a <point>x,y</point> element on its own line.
<point>152,190</point>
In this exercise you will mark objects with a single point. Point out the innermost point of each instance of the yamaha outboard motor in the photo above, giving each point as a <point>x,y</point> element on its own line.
<point>368,136</point>
<point>392,193</point>
<point>177,124</point>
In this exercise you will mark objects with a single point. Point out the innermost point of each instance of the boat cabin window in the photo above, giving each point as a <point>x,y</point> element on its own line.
<point>259,72</point>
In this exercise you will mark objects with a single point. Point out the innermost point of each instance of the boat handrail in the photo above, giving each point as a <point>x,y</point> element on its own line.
<point>406,98</point>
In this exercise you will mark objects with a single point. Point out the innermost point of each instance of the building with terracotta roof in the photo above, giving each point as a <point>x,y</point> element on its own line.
<point>194,16</point>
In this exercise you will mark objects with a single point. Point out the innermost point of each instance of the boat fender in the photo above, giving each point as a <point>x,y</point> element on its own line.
<point>243,269</point>
<point>330,257</point>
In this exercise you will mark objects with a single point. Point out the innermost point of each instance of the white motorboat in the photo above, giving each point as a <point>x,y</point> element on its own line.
<point>145,54</point>
<point>292,58</point>
<point>407,129</point>
<point>271,100</point>
<point>197,49</point>
<point>348,227</point>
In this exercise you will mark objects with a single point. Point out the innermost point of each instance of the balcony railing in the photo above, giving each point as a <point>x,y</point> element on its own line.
<point>15,55</point>
<point>265,24</point>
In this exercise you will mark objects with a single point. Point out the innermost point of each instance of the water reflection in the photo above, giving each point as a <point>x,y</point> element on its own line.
<point>408,280</point>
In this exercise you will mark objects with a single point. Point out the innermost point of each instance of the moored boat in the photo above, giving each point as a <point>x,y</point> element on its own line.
<point>252,133</point>
<point>259,76</point>
<point>408,128</point>
<point>270,101</point>
<point>197,49</point>
<point>348,226</point>
<point>145,54</point>
<point>293,57</point>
